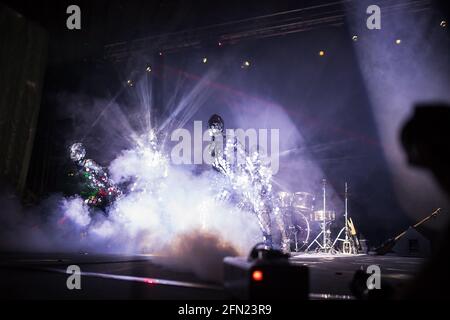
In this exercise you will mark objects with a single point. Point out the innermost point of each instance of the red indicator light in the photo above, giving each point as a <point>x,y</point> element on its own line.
<point>257,275</point>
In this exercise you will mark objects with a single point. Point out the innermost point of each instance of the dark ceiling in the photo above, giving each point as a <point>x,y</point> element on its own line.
<point>109,21</point>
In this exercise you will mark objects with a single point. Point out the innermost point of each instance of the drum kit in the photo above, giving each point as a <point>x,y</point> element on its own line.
<point>299,214</point>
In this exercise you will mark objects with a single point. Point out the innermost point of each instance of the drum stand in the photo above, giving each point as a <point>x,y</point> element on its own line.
<point>348,246</point>
<point>326,245</point>
<point>294,232</point>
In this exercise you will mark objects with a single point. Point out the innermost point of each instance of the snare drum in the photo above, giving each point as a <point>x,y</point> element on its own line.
<point>303,201</point>
<point>321,216</point>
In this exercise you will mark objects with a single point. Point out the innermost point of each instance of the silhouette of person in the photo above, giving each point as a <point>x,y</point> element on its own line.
<point>425,138</point>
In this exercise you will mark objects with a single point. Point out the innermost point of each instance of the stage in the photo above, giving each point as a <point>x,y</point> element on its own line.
<point>43,276</point>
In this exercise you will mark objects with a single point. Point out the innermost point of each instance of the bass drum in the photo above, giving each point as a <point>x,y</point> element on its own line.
<point>297,229</point>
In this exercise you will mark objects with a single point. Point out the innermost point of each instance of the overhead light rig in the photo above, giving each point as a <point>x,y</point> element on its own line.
<point>272,25</point>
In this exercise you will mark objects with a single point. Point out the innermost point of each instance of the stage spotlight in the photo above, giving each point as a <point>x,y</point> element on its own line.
<point>130,83</point>
<point>355,38</point>
<point>398,41</point>
<point>205,60</point>
<point>321,53</point>
<point>443,24</point>
<point>245,64</point>
<point>160,53</point>
<point>219,44</point>
<point>148,69</point>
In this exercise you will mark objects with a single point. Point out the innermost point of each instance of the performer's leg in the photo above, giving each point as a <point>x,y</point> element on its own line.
<point>265,225</point>
<point>282,227</point>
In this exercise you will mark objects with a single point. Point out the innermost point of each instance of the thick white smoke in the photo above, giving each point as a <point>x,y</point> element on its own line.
<point>165,210</point>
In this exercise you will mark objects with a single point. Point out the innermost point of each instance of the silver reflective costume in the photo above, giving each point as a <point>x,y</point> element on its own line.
<point>99,189</point>
<point>247,182</point>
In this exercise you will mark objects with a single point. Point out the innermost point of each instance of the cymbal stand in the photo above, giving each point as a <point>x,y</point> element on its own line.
<point>326,245</point>
<point>348,246</point>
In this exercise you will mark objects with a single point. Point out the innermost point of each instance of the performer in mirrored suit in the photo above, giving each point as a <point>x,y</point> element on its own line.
<point>247,182</point>
<point>97,189</point>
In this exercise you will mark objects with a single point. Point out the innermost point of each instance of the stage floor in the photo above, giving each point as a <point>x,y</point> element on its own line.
<point>332,274</point>
<point>42,276</point>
